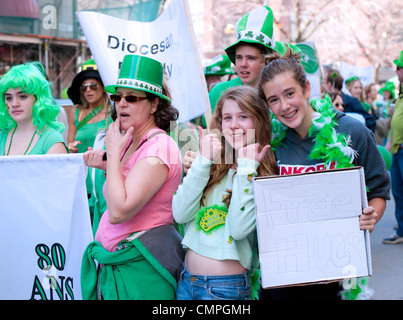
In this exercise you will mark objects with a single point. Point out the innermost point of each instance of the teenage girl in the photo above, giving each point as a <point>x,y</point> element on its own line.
<point>306,143</point>
<point>216,200</point>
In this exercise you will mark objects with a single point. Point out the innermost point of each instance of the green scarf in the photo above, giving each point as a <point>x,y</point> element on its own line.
<point>128,274</point>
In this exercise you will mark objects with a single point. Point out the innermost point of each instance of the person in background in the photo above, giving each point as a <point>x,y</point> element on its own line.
<point>136,242</point>
<point>337,101</point>
<point>28,114</point>
<point>395,145</point>
<point>90,114</point>
<point>303,143</point>
<point>333,81</point>
<point>218,67</point>
<point>354,86</point>
<point>388,95</point>
<point>254,39</point>
<point>382,127</point>
<point>92,108</point>
<point>216,202</point>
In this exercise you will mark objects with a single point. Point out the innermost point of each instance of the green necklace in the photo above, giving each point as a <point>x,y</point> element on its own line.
<point>11,141</point>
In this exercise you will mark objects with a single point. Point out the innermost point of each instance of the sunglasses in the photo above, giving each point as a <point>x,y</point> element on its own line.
<point>130,99</point>
<point>92,86</point>
<point>339,105</point>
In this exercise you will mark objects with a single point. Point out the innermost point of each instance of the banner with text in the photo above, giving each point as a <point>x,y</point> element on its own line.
<point>45,226</point>
<point>169,39</point>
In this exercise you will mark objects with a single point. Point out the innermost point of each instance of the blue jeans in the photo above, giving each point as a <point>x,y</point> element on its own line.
<point>198,287</point>
<point>396,172</point>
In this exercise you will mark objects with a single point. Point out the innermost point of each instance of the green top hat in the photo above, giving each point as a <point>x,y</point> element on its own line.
<point>390,87</point>
<point>140,73</point>
<point>220,65</point>
<point>256,27</point>
<point>399,62</point>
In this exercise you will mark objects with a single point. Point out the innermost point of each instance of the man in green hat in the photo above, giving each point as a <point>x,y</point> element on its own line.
<point>216,69</point>
<point>254,39</point>
<point>395,145</point>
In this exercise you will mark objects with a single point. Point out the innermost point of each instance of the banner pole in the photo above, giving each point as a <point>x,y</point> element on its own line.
<point>207,114</point>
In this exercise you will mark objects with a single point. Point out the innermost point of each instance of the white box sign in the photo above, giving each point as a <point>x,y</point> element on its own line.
<point>308,227</point>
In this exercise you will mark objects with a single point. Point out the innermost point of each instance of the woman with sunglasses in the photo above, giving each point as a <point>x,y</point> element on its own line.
<point>92,108</point>
<point>28,113</point>
<point>91,114</point>
<point>137,245</point>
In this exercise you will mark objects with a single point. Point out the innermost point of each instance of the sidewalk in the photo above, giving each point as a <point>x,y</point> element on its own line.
<point>387,259</point>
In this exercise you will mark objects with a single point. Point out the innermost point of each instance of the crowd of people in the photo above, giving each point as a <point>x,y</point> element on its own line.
<point>181,225</point>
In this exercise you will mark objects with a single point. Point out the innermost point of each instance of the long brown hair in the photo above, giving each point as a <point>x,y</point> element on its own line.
<point>249,102</point>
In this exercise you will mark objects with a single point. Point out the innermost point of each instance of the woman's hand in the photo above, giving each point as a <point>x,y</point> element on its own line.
<point>188,159</point>
<point>93,158</point>
<point>72,146</point>
<point>115,142</point>
<point>252,152</point>
<point>368,219</point>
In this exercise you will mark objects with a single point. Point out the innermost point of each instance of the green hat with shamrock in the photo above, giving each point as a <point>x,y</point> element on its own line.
<point>399,62</point>
<point>256,27</point>
<point>140,73</point>
<point>220,65</point>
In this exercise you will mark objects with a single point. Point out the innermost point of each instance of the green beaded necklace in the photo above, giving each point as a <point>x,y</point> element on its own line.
<point>11,141</point>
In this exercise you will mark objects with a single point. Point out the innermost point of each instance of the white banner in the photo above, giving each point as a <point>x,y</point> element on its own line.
<point>366,74</point>
<point>45,226</point>
<point>169,39</point>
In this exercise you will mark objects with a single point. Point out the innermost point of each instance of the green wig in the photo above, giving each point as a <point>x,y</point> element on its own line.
<point>30,80</point>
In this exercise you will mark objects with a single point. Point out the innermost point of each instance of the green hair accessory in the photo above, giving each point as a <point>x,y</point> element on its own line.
<point>351,79</point>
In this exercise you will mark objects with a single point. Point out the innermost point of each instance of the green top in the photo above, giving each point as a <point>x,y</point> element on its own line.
<point>87,133</point>
<point>396,125</point>
<point>47,139</point>
<point>366,106</point>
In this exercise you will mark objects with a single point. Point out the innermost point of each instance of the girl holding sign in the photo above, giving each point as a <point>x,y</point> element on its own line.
<point>27,113</point>
<point>313,135</point>
<point>216,202</point>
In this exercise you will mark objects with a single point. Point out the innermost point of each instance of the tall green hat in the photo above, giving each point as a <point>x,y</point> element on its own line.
<point>140,73</point>
<point>255,27</point>
<point>390,87</point>
<point>399,62</point>
<point>220,65</point>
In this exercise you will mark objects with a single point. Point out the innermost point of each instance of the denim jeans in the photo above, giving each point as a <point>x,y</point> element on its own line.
<point>396,172</point>
<point>199,287</point>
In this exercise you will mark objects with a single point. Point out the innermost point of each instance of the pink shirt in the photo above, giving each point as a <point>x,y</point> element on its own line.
<point>158,211</point>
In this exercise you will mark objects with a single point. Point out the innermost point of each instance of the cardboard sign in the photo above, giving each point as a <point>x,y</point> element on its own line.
<point>308,227</point>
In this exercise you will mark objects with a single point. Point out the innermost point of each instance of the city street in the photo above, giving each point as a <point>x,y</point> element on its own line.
<point>387,260</point>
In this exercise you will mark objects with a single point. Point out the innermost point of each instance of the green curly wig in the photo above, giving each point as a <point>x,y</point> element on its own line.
<point>30,80</point>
